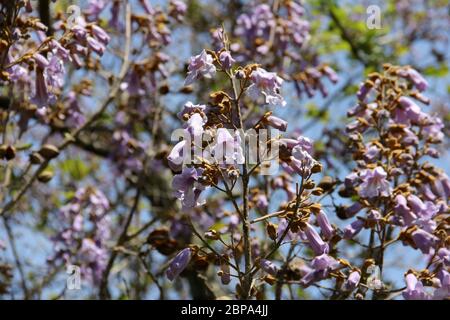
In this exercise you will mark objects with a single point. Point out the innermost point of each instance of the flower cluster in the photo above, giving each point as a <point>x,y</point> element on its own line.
<point>277,35</point>
<point>260,30</point>
<point>224,149</point>
<point>83,233</point>
<point>127,152</point>
<point>50,59</point>
<point>217,119</point>
<point>394,184</point>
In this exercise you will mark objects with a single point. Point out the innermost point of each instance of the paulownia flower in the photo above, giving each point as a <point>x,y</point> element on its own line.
<point>374,183</point>
<point>179,263</point>
<point>200,66</point>
<point>267,84</point>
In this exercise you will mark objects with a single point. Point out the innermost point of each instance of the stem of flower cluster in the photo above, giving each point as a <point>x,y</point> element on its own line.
<point>247,278</point>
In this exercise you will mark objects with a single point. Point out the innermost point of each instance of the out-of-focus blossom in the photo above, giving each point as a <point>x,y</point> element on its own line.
<point>269,267</point>
<point>262,202</point>
<point>41,97</point>
<point>84,233</point>
<point>179,263</point>
<point>177,9</point>
<point>75,117</point>
<point>95,7</point>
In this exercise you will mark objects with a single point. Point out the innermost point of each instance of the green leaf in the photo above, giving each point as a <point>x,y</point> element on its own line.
<point>25,146</point>
<point>436,71</point>
<point>75,168</point>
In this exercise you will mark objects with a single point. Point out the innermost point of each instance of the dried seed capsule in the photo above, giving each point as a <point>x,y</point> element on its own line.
<point>186,89</point>
<point>315,208</point>
<point>327,183</point>
<point>272,231</point>
<point>49,151</point>
<point>309,184</point>
<point>164,89</point>
<point>45,176</point>
<point>317,191</point>
<point>10,152</point>
<point>36,158</point>
<point>317,167</point>
<point>269,279</point>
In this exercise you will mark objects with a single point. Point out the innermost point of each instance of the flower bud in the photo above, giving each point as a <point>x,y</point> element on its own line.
<point>276,123</point>
<point>324,224</point>
<point>352,280</point>
<point>272,231</point>
<point>240,74</point>
<point>315,241</point>
<point>100,34</point>
<point>353,229</point>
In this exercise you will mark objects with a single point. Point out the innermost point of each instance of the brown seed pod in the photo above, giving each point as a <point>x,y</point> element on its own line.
<point>36,158</point>
<point>272,231</point>
<point>309,184</point>
<point>327,183</point>
<point>10,152</point>
<point>49,151</point>
<point>45,176</point>
<point>317,167</point>
<point>164,89</point>
<point>186,89</point>
<point>269,279</point>
<point>315,208</point>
